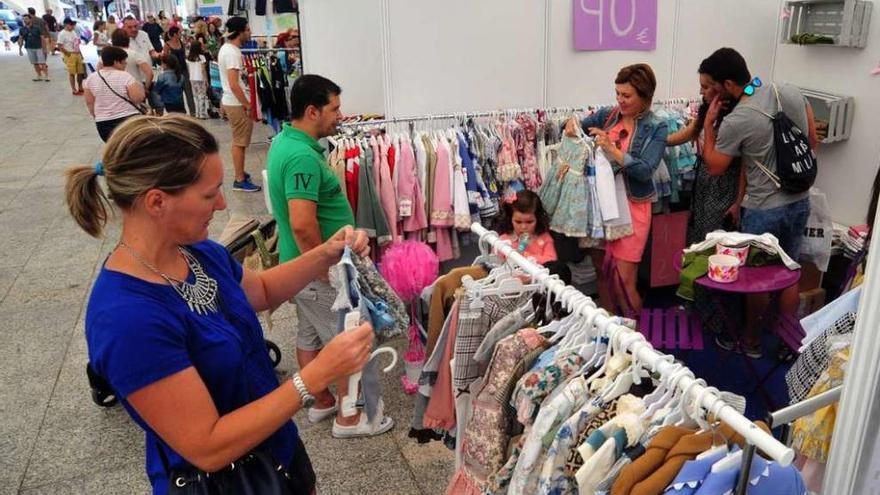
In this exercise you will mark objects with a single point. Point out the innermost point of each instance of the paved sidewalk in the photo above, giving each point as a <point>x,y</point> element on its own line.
<point>53,439</point>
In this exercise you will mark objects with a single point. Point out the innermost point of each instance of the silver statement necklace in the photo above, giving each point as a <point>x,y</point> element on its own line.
<point>201,297</point>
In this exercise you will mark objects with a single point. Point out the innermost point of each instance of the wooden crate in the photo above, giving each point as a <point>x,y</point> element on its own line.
<point>844,21</point>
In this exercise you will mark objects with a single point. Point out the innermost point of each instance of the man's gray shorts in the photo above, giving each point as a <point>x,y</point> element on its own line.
<point>36,56</point>
<point>316,321</point>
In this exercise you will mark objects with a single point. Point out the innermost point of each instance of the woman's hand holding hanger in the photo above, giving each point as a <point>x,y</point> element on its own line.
<point>603,141</point>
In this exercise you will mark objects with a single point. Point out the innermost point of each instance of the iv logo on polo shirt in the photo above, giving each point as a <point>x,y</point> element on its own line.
<point>301,181</point>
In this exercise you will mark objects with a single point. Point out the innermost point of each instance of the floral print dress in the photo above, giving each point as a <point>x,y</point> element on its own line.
<point>487,435</point>
<point>535,385</point>
<point>564,193</point>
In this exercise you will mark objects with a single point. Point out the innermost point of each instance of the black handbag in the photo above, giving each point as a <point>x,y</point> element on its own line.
<point>254,474</point>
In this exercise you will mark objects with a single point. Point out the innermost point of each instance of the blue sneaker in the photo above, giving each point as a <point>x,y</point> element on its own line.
<point>246,186</point>
<point>247,176</point>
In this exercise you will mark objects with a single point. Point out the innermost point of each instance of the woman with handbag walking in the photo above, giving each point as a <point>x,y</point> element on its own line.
<point>171,321</point>
<point>112,94</point>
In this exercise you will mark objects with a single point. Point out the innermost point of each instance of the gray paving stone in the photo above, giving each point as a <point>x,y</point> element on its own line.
<point>17,243</point>
<point>41,286</point>
<point>125,480</point>
<point>379,478</point>
<point>6,196</point>
<point>34,342</point>
<point>21,410</point>
<point>58,251</point>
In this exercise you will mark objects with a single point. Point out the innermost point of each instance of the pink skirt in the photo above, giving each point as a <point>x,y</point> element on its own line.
<point>631,247</point>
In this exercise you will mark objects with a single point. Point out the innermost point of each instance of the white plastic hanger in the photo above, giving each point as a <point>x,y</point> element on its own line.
<point>699,413</point>
<point>662,384</point>
<point>349,401</point>
<point>677,414</point>
<point>671,379</point>
<point>731,461</point>
<point>486,257</point>
<point>603,358</point>
<point>510,287</point>
<point>579,334</point>
<point>602,339</point>
<point>704,424</point>
<point>629,343</point>
<point>574,304</point>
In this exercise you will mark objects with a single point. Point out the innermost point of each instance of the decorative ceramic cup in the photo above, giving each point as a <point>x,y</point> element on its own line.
<point>723,268</point>
<point>740,253</point>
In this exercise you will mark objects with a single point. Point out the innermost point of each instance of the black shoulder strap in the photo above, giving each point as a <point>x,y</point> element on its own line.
<point>135,105</point>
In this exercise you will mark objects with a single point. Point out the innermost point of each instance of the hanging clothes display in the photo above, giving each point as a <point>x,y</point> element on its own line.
<point>537,402</point>
<point>268,82</point>
<point>464,166</point>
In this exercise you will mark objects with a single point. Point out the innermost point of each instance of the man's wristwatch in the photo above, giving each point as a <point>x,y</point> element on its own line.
<point>307,399</point>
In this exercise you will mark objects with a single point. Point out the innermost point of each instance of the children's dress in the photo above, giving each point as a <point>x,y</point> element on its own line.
<point>567,195</point>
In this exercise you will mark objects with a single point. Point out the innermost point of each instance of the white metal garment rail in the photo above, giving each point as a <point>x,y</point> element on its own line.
<point>510,111</point>
<point>643,351</point>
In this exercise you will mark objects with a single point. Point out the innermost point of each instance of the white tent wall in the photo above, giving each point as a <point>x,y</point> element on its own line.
<point>414,57</point>
<point>459,55</point>
<point>341,39</point>
<point>748,26</point>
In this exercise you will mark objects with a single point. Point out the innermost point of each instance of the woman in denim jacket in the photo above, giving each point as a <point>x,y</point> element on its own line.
<point>634,141</point>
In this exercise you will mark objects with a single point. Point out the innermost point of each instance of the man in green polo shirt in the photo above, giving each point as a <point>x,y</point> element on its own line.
<point>310,205</point>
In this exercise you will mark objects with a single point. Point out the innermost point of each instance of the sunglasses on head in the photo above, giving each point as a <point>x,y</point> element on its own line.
<point>750,89</point>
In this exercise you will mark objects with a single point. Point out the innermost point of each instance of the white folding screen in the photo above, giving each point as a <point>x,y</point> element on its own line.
<point>458,55</point>
<point>701,26</point>
<point>341,39</point>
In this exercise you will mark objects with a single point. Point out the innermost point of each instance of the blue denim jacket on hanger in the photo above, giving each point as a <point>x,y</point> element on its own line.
<point>343,277</point>
<point>646,149</point>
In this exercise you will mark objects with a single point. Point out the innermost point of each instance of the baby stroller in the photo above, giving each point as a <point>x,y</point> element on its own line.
<point>253,243</point>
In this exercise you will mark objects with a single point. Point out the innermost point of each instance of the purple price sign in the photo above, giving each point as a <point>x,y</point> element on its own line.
<point>615,25</point>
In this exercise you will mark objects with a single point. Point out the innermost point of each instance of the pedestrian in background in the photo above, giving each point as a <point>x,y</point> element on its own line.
<point>154,32</point>
<point>52,27</point>
<point>5,35</point>
<point>169,85</point>
<point>197,68</point>
<point>68,43</point>
<point>33,37</point>
<point>113,95</point>
<point>111,26</point>
<point>236,102</point>
<point>175,47</point>
<point>101,38</point>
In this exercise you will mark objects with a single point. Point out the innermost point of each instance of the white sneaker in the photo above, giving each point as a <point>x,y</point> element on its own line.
<point>317,415</point>
<point>364,428</point>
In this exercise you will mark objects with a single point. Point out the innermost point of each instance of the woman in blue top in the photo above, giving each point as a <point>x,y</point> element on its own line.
<point>634,140</point>
<point>171,322</point>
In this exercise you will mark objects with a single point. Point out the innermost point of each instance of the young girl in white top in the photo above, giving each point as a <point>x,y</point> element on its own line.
<point>5,35</point>
<point>197,65</point>
<point>101,38</point>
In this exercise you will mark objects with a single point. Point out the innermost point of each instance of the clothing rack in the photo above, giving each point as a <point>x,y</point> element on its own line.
<point>267,50</point>
<point>467,115</point>
<point>642,351</point>
<point>805,407</point>
<point>783,418</point>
